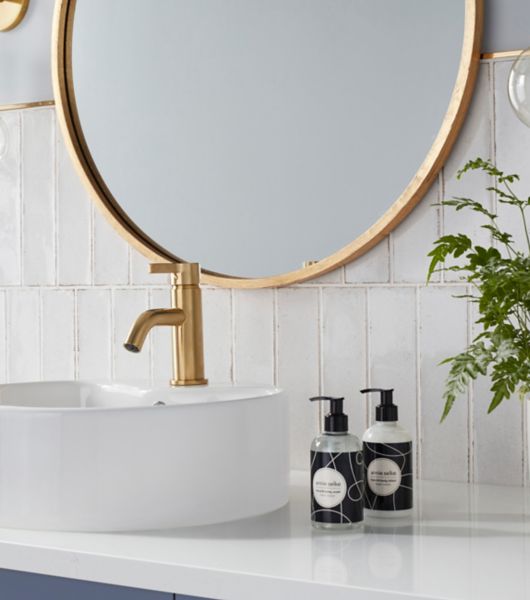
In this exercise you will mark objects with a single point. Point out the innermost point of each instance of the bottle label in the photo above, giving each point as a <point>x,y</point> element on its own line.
<point>337,487</point>
<point>388,472</point>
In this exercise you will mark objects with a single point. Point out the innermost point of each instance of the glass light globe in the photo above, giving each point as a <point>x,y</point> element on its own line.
<point>519,86</point>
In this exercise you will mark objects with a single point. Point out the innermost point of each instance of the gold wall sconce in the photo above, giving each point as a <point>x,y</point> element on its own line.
<point>11,13</point>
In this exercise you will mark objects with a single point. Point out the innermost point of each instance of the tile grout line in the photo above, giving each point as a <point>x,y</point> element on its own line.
<point>21,196</point>
<point>320,351</point>
<point>112,335</point>
<point>471,402</point>
<point>76,334</point>
<point>41,334</point>
<point>233,366</point>
<point>367,352</point>
<point>419,420</point>
<point>4,336</point>
<point>55,203</point>
<point>275,328</point>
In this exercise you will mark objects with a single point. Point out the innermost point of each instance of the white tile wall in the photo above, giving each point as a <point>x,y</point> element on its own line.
<point>70,288</point>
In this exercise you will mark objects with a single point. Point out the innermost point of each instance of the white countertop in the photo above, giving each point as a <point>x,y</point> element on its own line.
<point>465,542</point>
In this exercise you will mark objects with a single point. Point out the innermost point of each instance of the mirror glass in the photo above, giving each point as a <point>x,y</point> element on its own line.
<point>254,135</point>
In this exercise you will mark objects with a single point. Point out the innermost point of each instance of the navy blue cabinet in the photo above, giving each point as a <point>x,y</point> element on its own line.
<point>16,585</point>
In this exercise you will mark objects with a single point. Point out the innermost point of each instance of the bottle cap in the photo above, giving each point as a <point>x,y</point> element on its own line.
<point>336,421</point>
<point>387,410</point>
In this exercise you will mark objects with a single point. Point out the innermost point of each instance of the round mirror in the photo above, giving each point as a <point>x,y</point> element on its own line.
<point>252,136</point>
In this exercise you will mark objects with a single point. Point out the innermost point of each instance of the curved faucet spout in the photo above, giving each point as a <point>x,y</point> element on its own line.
<point>173,317</point>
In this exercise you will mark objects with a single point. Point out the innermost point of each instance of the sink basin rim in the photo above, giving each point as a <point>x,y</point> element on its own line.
<point>136,389</point>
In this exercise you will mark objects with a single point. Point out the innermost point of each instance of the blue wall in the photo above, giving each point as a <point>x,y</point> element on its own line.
<point>506,25</point>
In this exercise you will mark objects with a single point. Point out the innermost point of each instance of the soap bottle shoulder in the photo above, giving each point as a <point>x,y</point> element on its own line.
<point>332,442</point>
<point>386,432</point>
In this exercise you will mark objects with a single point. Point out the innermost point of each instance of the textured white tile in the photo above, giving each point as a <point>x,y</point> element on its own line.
<point>413,240</point>
<point>161,340</point>
<point>392,344</point>
<point>140,271</point>
<point>38,159</point>
<point>498,438</point>
<point>335,276</point>
<point>58,347</point>
<point>254,336</point>
<point>298,366</point>
<point>73,222</point>
<point>3,334</point>
<point>474,141</point>
<point>111,254</point>
<point>10,203</point>
<point>94,334</point>
<point>217,327</point>
<point>128,304</point>
<point>372,267</point>
<point>443,333</point>
<point>512,151</point>
<point>343,350</point>
<point>23,336</point>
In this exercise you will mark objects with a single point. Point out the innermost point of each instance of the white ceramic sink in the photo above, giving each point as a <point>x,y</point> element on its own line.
<point>106,457</point>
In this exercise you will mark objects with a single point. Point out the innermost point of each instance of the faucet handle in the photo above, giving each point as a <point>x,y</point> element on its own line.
<point>182,273</point>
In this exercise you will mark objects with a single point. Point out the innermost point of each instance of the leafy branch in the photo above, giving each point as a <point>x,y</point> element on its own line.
<point>499,276</point>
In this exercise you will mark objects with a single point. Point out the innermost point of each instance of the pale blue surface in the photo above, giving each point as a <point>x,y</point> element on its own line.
<point>16,585</point>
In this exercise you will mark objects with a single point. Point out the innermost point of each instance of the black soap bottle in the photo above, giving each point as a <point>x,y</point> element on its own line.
<point>388,473</point>
<point>337,484</point>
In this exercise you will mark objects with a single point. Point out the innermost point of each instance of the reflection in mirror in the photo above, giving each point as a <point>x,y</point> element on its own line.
<point>254,135</point>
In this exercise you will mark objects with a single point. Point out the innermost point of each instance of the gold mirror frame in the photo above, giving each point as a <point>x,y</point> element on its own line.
<point>413,193</point>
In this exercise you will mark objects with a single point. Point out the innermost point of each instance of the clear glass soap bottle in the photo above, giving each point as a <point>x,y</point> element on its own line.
<point>337,480</point>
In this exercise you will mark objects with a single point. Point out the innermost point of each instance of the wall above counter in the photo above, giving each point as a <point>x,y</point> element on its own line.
<point>275,135</point>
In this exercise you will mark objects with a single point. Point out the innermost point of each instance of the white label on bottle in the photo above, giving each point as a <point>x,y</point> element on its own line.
<point>383,476</point>
<point>329,487</point>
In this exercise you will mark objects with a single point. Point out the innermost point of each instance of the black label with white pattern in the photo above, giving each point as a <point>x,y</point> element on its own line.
<point>337,487</point>
<point>388,475</point>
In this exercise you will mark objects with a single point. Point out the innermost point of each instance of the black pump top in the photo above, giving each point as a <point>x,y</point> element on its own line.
<point>387,410</point>
<point>335,421</point>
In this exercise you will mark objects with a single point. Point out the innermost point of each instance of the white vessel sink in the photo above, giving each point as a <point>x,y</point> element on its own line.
<point>109,457</point>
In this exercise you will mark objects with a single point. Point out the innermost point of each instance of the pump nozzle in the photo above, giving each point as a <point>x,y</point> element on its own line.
<point>335,421</point>
<point>387,410</point>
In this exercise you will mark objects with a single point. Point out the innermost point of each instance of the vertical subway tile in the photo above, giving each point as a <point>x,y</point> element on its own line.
<point>413,240</point>
<point>10,204</point>
<point>498,438</point>
<point>73,222</point>
<point>140,271</point>
<point>335,276</point>
<point>23,335</point>
<point>38,159</point>
<point>254,336</point>
<point>392,344</point>
<point>344,350</point>
<point>94,334</point>
<point>161,340</point>
<point>128,304</point>
<point>111,253</point>
<point>443,333</point>
<point>372,267</point>
<point>3,335</point>
<point>58,350</point>
<point>298,365</point>
<point>217,325</point>
<point>474,141</point>
<point>512,141</point>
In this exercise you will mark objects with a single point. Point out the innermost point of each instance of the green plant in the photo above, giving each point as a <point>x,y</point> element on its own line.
<point>499,278</point>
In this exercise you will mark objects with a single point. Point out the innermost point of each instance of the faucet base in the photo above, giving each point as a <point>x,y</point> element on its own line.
<point>181,382</point>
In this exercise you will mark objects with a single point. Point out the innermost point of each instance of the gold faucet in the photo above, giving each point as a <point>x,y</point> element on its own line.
<point>185,319</point>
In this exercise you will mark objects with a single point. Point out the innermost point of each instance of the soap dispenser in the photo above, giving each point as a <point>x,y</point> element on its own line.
<point>387,450</point>
<point>337,484</point>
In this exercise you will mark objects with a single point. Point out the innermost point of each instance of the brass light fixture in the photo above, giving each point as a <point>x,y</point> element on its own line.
<point>11,13</point>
